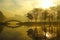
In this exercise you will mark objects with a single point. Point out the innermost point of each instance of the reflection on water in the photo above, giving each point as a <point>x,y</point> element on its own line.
<point>14,33</point>
<point>20,33</point>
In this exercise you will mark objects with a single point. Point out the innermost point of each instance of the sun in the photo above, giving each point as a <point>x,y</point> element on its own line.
<point>46,4</point>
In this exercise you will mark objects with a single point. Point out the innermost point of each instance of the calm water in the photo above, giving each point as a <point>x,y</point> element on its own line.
<point>19,33</point>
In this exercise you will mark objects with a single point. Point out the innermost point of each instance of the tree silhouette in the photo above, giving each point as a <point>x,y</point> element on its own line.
<point>44,15</point>
<point>35,14</point>
<point>29,16</point>
<point>58,15</point>
<point>2,17</point>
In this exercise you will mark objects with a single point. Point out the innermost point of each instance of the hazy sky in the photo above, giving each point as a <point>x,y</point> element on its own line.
<point>20,7</point>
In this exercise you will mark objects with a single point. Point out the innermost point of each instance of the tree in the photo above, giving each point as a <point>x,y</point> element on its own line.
<point>36,14</point>
<point>29,16</point>
<point>2,17</point>
<point>58,13</point>
<point>44,15</point>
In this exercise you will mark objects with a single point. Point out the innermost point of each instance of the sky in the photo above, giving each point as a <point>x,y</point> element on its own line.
<point>20,7</point>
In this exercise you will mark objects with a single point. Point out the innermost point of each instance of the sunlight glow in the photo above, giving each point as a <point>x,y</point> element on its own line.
<point>46,4</point>
<point>48,35</point>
